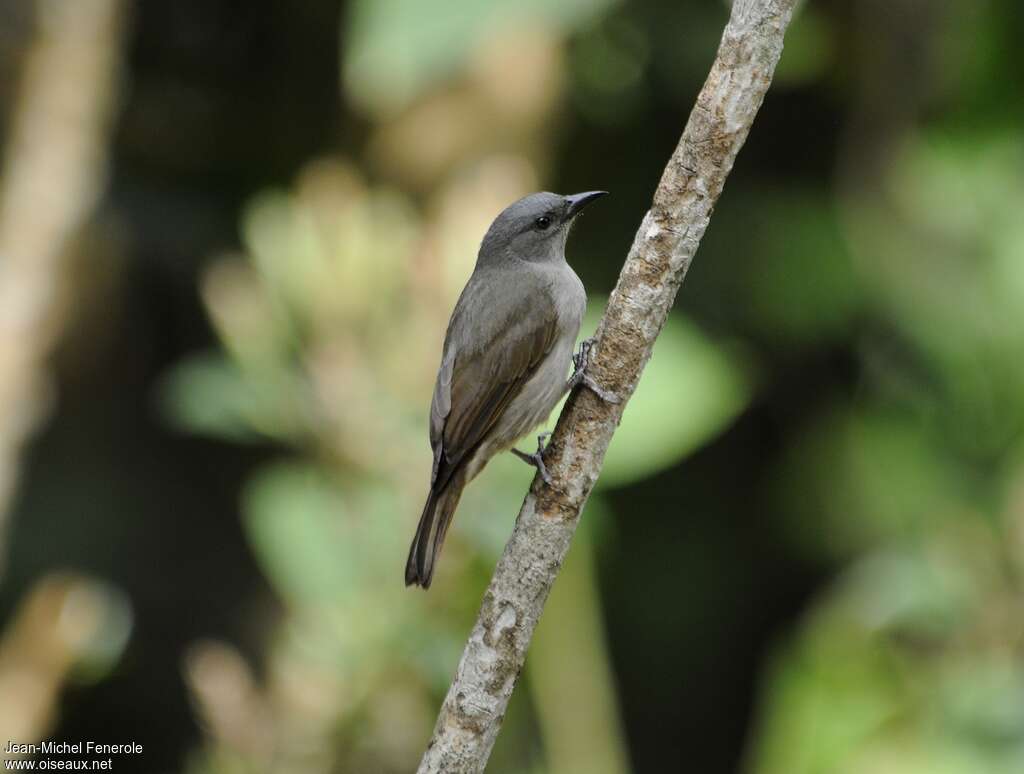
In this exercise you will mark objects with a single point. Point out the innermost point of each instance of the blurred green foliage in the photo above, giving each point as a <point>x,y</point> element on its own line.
<point>387,64</point>
<point>332,320</point>
<point>912,660</point>
<point>825,451</point>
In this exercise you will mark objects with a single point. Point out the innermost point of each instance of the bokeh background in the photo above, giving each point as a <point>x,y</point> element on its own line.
<point>230,237</point>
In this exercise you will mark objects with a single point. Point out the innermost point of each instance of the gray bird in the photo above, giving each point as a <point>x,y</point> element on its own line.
<point>505,359</point>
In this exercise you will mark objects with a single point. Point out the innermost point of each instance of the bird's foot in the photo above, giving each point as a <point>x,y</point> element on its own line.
<point>580,361</point>
<point>537,458</point>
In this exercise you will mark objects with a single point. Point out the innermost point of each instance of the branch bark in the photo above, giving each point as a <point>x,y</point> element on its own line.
<point>662,250</point>
<point>54,171</point>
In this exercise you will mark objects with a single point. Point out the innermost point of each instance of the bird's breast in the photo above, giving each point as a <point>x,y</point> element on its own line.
<point>570,298</point>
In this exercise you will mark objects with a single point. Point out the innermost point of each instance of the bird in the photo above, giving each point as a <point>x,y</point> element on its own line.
<point>505,358</point>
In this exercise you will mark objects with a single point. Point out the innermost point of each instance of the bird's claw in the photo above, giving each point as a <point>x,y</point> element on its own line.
<point>537,458</point>
<point>599,391</point>
<point>580,362</point>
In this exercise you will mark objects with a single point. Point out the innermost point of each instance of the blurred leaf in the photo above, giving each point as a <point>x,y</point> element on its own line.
<point>859,692</point>
<point>609,61</point>
<point>976,44</point>
<point>860,475</point>
<point>101,654</point>
<point>823,703</point>
<point>308,537</point>
<point>334,553</point>
<point>984,699</point>
<point>394,49</point>
<point>942,258</point>
<point>209,394</point>
<point>908,592</point>
<point>831,690</point>
<point>800,277</point>
<point>691,389</point>
<point>331,252</point>
<point>293,518</point>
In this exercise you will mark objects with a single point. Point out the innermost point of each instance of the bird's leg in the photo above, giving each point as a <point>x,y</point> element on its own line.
<point>537,458</point>
<point>580,361</point>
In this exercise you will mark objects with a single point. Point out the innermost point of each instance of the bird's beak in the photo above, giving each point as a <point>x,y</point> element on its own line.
<point>578,201</point>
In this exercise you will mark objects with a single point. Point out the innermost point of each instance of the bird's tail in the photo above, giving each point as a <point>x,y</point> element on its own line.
<point>426,545</point>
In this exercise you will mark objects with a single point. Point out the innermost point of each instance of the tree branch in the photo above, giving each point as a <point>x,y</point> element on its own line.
<point>668,237</point>
<point>54,171</point>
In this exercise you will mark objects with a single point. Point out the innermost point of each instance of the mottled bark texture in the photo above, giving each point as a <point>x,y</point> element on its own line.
<point>664,245</point>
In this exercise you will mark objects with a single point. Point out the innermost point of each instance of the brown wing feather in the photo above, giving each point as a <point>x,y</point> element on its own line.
<point>484,382</point>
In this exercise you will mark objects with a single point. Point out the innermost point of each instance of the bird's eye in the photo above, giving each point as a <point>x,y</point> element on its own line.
<point>542,222</point>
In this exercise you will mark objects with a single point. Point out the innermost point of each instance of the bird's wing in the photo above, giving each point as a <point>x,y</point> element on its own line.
<point>475,386</point>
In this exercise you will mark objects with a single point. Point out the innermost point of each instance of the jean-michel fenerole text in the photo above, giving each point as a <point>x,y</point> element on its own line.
<point>72,748</point>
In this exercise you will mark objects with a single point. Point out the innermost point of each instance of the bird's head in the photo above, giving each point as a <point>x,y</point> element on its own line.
<point>534,228</point>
